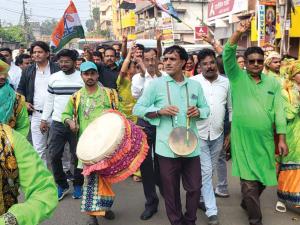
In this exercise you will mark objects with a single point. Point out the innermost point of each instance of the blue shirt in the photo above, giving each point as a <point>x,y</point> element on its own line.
<point>155,97</point>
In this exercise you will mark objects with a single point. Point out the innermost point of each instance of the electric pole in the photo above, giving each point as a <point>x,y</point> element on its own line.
<point>26,24</point>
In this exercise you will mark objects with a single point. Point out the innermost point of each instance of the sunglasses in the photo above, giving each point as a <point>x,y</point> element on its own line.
<point>255,61</point>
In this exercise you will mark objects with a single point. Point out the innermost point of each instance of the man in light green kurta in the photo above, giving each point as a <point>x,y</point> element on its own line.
<point>257,110</point>
<point>22,167</point>
<point>166,112</point>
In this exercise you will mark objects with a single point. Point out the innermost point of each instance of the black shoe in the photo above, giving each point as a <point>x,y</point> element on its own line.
<point>69,176</point>
<point>109,215</point>
<point>213,220</point>
<point>92,221</point>
<point>201,206</point>
<point>147,214</point>
<point>243,205</point>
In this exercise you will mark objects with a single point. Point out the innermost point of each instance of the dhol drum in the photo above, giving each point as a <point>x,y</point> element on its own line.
<point>112,146</point>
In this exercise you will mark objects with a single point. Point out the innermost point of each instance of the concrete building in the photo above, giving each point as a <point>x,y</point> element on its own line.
<point>190,11</point>
<point>105,13</point>
<point>223,16</point>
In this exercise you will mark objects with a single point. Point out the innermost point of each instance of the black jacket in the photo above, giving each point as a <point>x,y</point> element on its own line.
<point>26,85</point>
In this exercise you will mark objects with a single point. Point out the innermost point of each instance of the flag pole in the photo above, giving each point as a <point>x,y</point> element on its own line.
<point>189,26</point>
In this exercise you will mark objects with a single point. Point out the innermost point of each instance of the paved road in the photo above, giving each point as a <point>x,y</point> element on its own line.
<point>129,205</point>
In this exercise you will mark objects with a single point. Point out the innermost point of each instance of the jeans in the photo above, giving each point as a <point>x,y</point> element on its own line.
<point>210,151</point>
<point>58,138</point>
<point>222,185</point>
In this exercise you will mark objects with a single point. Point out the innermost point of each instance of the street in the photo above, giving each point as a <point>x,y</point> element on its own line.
<point>129,204</point>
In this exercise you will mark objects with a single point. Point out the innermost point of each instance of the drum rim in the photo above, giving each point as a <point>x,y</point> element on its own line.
<point>174,150</point>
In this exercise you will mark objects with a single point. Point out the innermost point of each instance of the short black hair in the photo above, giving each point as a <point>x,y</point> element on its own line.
<point>140,47</point>
<point>253,50</point>
<point>6,50</point>
<point>99,47</point>
<point>220,64</point>
<point>20,58</point>
<point>203,53</point>
<point>191,57</point>
<point>146,50</point>
<point>239,56</point>
<point>2,57</point>
<point>96,53</point>
<point>180,50</point>
<point>41,44</point>
<point>111,49</point>
<point>67,53</point>
<point>80,59</point>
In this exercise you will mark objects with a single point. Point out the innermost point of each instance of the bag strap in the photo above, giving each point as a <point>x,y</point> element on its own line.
<point>113,98</point>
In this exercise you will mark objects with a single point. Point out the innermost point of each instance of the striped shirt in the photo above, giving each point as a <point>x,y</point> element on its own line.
<point>60,88</point>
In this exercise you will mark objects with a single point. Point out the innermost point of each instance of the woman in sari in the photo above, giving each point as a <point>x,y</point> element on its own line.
<point>289,169</point>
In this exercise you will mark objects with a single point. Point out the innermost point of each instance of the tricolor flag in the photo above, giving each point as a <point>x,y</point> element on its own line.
<point>166,6</point>
<point>128,4</point>
<point>68,28</point>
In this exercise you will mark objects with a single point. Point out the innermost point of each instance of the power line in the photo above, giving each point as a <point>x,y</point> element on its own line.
<point>34,15</point>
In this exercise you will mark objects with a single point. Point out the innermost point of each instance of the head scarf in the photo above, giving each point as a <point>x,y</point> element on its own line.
<point>270,56</point>
<point>7,101</point>
<point>4,68</point>
<point>293,69</point>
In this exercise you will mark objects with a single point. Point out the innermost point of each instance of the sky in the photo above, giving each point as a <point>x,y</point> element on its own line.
<point>40,10</point>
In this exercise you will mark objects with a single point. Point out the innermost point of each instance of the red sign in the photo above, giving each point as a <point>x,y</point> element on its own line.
<point>199,31</point>
<point>219,7</point>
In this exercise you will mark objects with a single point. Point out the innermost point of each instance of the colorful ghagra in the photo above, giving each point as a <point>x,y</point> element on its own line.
<point>289,176</point>
<point>98,196</point>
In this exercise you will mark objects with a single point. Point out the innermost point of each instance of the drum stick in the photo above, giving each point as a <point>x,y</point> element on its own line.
<point>187,130</point>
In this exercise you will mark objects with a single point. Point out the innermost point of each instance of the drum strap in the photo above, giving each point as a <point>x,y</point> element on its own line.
<point>113,98</point>
<point>169,98</point>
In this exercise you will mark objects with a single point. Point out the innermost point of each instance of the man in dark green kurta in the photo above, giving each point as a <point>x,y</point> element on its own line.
<point>257,110</point>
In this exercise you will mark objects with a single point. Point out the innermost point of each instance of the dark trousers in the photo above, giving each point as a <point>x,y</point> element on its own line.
<point>149,168</point>
<point>251,191</point>
<point>171,169</point>
<point>59,135</point>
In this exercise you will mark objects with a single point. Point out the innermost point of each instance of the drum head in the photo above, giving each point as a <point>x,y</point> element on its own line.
<point>182,141</point>
<point>100,139</point>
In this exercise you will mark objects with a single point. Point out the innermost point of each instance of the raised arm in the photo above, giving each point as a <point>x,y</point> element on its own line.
<point>231,67</point>
<point>124,46</point>
<point>215,44</point>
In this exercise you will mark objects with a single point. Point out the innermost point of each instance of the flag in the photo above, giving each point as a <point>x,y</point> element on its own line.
<point>128,4</point>
<point>68,28</point>
<point>166,6</point>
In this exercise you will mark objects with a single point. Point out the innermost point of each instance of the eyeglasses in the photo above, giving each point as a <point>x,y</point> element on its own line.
<point>255,61</point>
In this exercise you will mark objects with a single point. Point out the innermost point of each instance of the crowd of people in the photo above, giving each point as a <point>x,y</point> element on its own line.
<point>240,107</point>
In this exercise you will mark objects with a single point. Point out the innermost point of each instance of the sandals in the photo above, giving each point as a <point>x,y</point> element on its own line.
<point>280,207</point>
<point>136,178</point>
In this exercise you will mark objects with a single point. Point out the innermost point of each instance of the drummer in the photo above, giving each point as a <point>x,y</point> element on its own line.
<point>83,108</point>
<point>164,103</point>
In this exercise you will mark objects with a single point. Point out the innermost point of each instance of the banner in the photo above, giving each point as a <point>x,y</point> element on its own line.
<point>199,30</point>
<point>220,8</point>
<point>166,6</point>
<point>167,30</point>
<point>261,25</point>
<point>68,28</point>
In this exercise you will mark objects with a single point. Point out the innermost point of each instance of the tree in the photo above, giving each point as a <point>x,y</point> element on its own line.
<point>12,33</point>
<point>96,16</point>
<point>47,26</point>
<point>90,25</point>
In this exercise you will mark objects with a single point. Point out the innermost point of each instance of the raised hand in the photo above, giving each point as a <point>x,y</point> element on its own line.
<point>244,25</point>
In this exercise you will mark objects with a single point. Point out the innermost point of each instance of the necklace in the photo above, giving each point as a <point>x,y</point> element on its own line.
<point>90,103</point>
